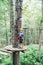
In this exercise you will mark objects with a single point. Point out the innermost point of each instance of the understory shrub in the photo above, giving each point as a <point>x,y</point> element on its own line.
<point>29,57</point>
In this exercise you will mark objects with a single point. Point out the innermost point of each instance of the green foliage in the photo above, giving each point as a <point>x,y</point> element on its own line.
<point>6,60</point>
<point>30,57</point>
<point>4,22</point>
<point>31,17</point>
<point>0,60</point>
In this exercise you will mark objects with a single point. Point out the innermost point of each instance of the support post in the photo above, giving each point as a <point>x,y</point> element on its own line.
<point>16,59</point>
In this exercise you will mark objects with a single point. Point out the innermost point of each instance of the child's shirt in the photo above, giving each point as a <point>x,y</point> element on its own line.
<point>20,37</point>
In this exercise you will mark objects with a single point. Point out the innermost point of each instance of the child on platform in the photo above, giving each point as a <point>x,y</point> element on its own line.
<point>20,37</point>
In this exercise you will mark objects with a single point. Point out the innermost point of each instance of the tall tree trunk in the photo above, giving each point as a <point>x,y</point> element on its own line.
<point>15,26</point>
<point>12,24</point>
<point>6,33</point>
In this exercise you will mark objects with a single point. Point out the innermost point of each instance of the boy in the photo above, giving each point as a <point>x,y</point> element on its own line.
<point>20,37</point>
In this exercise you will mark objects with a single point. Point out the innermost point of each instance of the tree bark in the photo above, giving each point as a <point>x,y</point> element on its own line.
<point>16,58</point>
<point>15,27</point>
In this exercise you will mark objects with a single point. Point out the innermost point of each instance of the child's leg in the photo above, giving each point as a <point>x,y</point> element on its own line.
<point>19,44</point>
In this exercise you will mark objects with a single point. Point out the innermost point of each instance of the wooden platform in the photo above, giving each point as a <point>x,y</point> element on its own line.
<point>10,48</point>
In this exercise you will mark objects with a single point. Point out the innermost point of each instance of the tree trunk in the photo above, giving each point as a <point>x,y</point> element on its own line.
<point>6,33</point>
<point>14,42</point>
<point>16,58</point>
<point>15,26</point>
